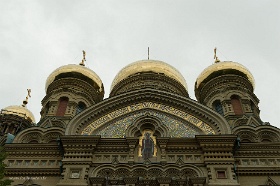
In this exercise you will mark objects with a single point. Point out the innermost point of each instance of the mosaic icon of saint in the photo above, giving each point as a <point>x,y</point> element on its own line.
<point>147,149</point>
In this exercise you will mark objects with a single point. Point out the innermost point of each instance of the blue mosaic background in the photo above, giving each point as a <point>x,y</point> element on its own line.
<point>176,128</point>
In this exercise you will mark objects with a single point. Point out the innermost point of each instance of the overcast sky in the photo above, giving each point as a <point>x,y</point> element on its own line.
<point>36,37</point>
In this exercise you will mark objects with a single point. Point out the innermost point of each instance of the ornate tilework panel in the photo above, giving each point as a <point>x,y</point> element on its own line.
<point>131,109</point>
<point>176,128</point>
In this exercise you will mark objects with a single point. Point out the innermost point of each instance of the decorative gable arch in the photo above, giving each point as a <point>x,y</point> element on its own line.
<point>184,109</point>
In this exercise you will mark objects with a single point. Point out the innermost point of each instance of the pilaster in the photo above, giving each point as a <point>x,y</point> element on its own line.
<point>218,158</point>
<point>132,143</point>
<point>78,153</point>
<point>162,142</point>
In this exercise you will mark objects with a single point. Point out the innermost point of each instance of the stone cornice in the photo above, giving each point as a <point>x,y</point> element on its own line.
<point>79,146</point>
<point>189,145</point>
<point>79,140</point>
<point>257,146</point>
<point>132,141</point>
<point>74,145</point>
<point>23,147</point>
<point>32,171</point>
<point>258,171</point>
<point>113,145</point>
<point>23,150</point>
<point>163,141</point>
<point>258,150</point>
<point>217,149</point>
<point>217,139</point>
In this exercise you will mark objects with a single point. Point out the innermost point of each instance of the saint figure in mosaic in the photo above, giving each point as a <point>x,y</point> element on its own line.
<point>147,150</point>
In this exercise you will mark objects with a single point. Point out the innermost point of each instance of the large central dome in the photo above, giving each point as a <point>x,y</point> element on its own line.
<point>149,66</point>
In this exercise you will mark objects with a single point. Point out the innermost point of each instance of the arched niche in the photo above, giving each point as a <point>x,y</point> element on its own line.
<point>147,122</point>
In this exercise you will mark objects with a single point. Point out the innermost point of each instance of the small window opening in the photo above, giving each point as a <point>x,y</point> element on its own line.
<point>236,104</point>
<point>80,107</point>
<point>221,174</point>
<point>218,107</point>
<point>62,105</point>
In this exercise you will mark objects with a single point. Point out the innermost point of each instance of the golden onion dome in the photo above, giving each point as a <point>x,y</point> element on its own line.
<point>77,69</point>
<point>19,111</point>
<point>149,66</point>
<point>225,65</point>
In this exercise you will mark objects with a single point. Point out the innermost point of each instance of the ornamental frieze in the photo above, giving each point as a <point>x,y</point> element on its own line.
<point>206,128</point>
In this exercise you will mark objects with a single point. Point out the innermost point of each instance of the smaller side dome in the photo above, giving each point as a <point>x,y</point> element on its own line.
<point>70,71</point>
<point>149,66</point>
<point>221,66</point>
<point>19,111</point>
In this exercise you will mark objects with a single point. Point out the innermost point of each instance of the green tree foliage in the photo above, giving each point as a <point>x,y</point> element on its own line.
<point>3,182</point>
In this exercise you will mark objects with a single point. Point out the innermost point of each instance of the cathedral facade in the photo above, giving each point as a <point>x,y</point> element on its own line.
<point>147,132</point>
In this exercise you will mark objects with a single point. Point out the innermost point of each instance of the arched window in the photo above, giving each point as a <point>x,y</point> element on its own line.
<point>62,105</point>
<point>11,129</point>
<point>47,108</point>
<point>254,108</point>
<point>80,107</point>
<point>236,104</point>
<point>217,105</point>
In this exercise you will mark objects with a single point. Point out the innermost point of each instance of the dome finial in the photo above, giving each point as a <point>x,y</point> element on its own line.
<point>148,53</point>
<point>26,98</point>
<point>215,55</point>
<point>84,59</point>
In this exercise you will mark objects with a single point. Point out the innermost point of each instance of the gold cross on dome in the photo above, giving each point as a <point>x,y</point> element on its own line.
<point>84,58</point>
<point>215,55</point>
<point>26,98</point>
